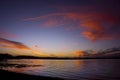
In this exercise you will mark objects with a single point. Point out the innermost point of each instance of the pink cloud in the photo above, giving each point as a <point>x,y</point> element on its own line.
<point>9,35</point>
<point>12,44</point>
<point>96,25</point>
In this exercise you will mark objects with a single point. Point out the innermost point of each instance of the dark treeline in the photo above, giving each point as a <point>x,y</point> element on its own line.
<point>7,56</point>
<point>111,53</point>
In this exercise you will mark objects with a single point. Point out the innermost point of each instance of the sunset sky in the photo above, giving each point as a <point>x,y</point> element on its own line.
<point>58,27</point>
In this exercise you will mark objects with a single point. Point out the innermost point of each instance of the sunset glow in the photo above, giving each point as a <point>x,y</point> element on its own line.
<point>58,28</point>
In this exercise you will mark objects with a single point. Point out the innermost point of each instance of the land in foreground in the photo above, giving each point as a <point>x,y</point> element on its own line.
<point>7,75</point>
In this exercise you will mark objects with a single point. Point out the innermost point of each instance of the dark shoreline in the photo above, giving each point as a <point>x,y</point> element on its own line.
<point>7,75</point>
<point>5,56</point>
<point>56,58</point>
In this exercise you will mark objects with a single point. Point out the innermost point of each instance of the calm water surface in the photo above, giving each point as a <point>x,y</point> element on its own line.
<point>106,69</point>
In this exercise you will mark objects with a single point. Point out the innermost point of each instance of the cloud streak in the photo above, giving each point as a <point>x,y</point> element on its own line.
<point>12,44</point>
<point>9,35</point>
<point>96,22</point>
<point>107,53</point>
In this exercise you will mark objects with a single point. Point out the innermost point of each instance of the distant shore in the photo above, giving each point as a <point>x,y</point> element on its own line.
<point>5,56</point>
<point>7,75</point>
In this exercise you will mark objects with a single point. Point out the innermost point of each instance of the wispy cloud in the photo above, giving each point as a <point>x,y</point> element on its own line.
<point>12,44</point>
<point>6,34</point>
<point>35,51</point>
<point>96,22</point>
<point>110,52</point>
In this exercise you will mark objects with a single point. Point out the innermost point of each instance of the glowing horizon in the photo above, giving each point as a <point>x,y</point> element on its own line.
<point>58,28</point>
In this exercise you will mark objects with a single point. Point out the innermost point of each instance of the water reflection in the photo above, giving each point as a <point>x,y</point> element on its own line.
<point>71,69</point>
<point>20,66</point>
<point>79,64</point>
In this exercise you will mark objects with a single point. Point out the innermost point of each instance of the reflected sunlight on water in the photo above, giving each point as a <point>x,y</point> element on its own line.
<point>71,69</point>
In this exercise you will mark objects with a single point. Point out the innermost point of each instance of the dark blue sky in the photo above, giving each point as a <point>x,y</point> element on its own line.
<point>59,26</point>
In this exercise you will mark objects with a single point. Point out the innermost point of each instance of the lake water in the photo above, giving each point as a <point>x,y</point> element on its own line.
<point>87,69</point>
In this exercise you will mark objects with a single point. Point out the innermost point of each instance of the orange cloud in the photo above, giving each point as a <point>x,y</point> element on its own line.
<point>12,44</point>
<point>79,53</point>
<point>92,25</point>
<point>56,19</point>
<point>95,25</point>
<point>93,36</point>
<point>101,27</point>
